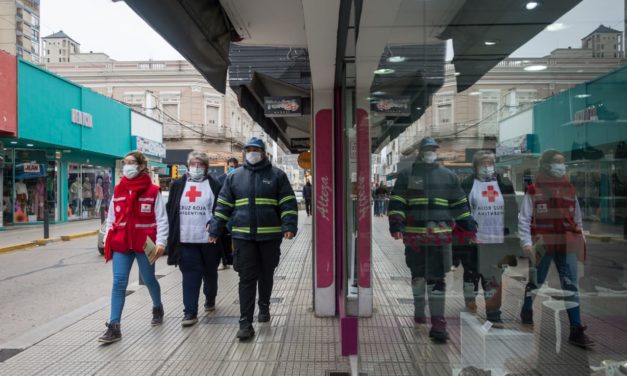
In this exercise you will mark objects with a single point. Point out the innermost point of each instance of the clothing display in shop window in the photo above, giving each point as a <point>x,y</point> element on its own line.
<point>39,198</point>
<point>87,193</point>
<point>21,196</point>
<point>98,193</point>
<point>75,188</point>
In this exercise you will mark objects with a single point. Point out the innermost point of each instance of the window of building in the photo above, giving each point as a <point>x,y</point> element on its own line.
<point>212,113</point>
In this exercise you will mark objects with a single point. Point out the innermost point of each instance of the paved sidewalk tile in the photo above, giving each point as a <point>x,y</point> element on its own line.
<point>296,342</point>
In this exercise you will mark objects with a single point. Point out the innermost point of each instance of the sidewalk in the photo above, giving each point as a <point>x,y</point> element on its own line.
<point>296,342</point>
<point>23,234</point>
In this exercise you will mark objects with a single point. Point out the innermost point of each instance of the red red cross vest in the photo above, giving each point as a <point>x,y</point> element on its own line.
<point>130,235</point>
<point>554,220</point>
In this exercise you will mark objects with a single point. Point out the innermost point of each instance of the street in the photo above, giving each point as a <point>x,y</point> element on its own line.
<point>40,284</point>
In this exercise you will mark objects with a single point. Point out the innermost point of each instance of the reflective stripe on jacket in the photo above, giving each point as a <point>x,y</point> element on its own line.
<point>258,202</point>
<point>144,218</point>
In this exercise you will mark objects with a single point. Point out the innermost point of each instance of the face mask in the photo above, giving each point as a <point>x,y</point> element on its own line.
<point>558,169</point>
<point>486,172</point>
<point>231,169</point>
<point>130,171</point>
<point>429,156</point>
<point>196,173</point>
<point>253,157</point>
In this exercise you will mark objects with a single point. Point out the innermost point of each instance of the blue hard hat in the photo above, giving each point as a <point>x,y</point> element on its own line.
<point>256,142</point>
<point>428,141</point>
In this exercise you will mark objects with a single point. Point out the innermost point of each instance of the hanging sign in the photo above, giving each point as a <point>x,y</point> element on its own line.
<point>299,144</point>
<point>282,106</point>
<point>399,105</point>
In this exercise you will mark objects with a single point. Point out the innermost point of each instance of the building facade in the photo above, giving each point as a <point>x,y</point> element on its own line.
<point>195,115</point>
<point>60,151</point>
<point>58,47</point>
<point>19,29</point>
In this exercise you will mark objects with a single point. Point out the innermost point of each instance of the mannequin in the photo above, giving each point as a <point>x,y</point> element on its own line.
<point>87,195</point>
<point>75,188</point>
<point>99,194</point>
<point>38,194</point>
<point>21,194</point>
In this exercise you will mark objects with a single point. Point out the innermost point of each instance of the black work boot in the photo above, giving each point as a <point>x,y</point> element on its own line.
<point>579,338</point>
<point>245,331</point>
<point>113,333</point>
<point>438,329</point>
<point>157,316</point>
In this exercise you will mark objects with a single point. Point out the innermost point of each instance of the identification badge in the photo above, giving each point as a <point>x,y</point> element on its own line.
<point>145,208</point>
<point>416,183</point>
<point>542,208</point>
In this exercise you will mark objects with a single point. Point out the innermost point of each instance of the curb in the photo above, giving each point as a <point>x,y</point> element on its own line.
<point>17,247</point>
<point>42,242</point>
<point>79,235</point>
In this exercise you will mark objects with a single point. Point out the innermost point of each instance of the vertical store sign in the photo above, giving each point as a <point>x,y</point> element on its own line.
<point>364,218</point>
<point>325,214</point>
<point>8,95</point>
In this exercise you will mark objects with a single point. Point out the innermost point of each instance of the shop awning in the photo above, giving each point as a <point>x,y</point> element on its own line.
<point>252,100</point>
<point>484,32</point>
<point>199,30</point>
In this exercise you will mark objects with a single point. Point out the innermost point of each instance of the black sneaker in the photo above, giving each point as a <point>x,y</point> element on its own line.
<point>578,338</point>
<point>245,333</point>
<point>157,316</point>
<point>210,307</point>
<point>189,320</point>
<point>526,317</point>
<point>263,317</point>
<point>113,333</point>
<point>438,335</point>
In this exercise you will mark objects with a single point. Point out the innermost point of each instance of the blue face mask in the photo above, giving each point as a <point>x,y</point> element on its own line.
<point>231,169</point>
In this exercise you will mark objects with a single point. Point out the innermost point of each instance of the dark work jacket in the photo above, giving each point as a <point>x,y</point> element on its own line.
<point>172,208</point>
<point>258,202</point>
<point>428,197</point>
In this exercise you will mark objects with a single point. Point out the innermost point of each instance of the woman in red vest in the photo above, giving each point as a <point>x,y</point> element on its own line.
<point>550,229</point>
<point>137,216</point>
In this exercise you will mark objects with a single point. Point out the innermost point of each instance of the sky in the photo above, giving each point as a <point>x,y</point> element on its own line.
<point>113,28</point>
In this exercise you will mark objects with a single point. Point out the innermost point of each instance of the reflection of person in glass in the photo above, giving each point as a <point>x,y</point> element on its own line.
<point>425,201</point>
<point>550,228</point>
<point>493,206</point>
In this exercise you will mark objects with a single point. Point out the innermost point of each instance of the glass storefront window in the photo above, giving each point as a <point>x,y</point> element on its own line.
<point>29,179</point>
<point>89,189</point>
<point>499,182</point>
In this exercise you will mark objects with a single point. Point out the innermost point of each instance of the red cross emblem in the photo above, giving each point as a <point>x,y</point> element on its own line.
<point>193,194</point>
<point>491,194</point>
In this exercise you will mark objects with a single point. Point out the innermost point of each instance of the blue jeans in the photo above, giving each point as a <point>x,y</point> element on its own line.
<point>122,263</point>
<point>199,263</point>
<point>566,264</point>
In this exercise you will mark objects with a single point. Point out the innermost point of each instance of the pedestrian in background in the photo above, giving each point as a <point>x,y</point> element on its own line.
<point>137,214</point>
<point>190,207</point>
<point>227,242</point>
<point>307,197</point>
<point>261,207</point>
<point>551,231</point>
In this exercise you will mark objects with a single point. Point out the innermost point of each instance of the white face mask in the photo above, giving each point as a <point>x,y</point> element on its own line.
<point>486,172</point>
<point>429,156</point>
<point>130,171</point>
<point>253,157</point>
<point>558,169</point>
<point>196,173</point>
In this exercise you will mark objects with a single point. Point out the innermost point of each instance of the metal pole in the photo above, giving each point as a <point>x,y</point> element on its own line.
<point>46,217</point>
